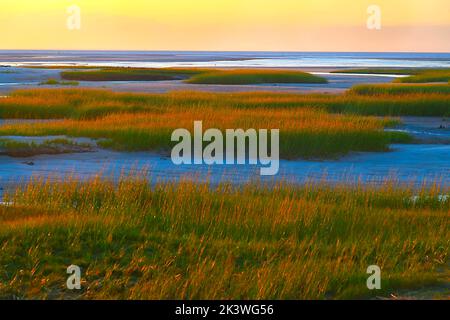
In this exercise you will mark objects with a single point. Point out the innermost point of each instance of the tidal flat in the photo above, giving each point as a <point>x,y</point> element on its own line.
<point>364,179</point>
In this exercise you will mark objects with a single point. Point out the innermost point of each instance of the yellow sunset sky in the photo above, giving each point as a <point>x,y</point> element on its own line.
<point>272,25</point>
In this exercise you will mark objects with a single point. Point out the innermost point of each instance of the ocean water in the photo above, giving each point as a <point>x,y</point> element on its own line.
<point>225,59</point>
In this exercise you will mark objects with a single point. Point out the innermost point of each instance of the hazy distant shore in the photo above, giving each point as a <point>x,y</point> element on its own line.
<point>227,59</point>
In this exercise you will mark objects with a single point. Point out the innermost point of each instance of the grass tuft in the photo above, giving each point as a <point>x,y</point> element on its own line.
<point>54,82</point>
<point>427,76</point>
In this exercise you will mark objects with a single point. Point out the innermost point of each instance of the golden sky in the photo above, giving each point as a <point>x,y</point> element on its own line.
<point>278,25</point>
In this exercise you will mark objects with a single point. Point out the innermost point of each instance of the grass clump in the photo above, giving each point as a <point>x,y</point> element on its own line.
<point>54,82</point>
<point>190,240</point>
<point>427,76</point>
<point>132,74</point>
<point>24,149</point>
<point>399,89</point>
<point>254,76</point>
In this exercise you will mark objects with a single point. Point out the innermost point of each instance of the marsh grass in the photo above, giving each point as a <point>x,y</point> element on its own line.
<point>190,240</point>
<point>400,89</point>
<point>193,75</point>
<point>421,100</point>
<point>23,149</point>
<point>60,83</point>
<point>305,133</point>
<point>132,74</point>
<point>427,76</point>
<point>135,122</point>
<point>315,125</point>
<point>254,76</point>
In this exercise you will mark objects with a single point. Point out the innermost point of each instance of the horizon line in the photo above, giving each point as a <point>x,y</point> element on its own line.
<point>231,51</point>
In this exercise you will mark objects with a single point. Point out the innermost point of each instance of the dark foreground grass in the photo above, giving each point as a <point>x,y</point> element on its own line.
<point>254,76</point>
<point>194,241</point>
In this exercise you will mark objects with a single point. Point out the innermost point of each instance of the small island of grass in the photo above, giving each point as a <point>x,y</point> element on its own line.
<point>131,74</point>
<point>246,76</point>
<point>54,82</point>
<point>193,75</point>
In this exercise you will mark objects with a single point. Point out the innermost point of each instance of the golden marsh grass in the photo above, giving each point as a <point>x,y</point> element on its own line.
<point>190,240</point>
<point>145,121</point>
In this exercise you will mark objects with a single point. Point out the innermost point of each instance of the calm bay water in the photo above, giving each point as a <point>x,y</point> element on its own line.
<point>225,59</point>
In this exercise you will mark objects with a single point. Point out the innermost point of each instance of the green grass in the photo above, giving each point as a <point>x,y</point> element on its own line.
<point>427,76</point>
<point>9,144</point>
<point>193,75</point>
<point>132,74</point>
<point>254,76</point>
<point>401,89</point>
<point>134,122</point>
<point>194,241</point>
<point>311,126</point>
<point>55,82</point>
<point>385,100</point>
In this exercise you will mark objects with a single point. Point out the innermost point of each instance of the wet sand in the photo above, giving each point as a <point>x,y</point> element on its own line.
<point>426,130</point>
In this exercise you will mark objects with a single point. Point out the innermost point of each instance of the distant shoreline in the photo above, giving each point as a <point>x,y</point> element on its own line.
<point>260,59</point>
